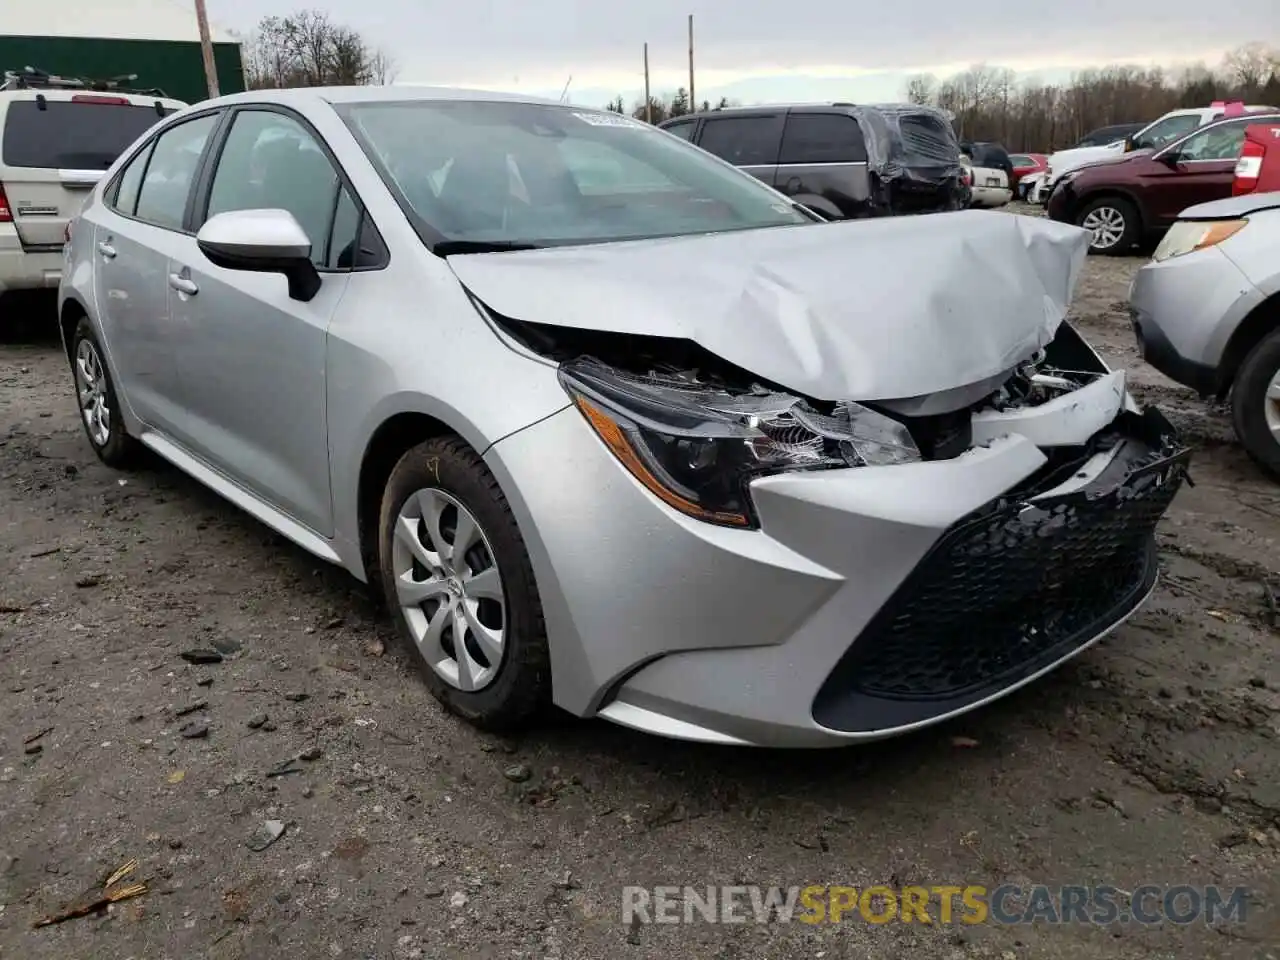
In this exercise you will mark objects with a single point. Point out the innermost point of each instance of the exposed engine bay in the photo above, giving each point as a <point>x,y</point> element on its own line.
<point>1061,396</point>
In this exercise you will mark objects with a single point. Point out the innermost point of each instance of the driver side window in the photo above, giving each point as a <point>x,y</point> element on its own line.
<point>1167,131</point>
<point>270,160</point>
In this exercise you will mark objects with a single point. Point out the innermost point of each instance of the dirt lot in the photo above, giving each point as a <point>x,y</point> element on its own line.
<point>1154,758</point>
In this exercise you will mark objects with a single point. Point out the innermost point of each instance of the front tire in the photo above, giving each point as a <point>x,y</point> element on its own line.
<point>1114,223</point>
<point>1255,404</point>
<point>96,399</point>
<point>460,587</point>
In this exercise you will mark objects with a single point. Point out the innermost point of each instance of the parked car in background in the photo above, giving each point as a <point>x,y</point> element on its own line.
<point>659,447</point>
<point>839,159</point>
<point>1034,186</point>
<point>992,156</point>
<point>1258,169</point>
<point>1168,128</point>
<point>1136,196</point>
<point>1206,312</point>
<point>988,186</point>
<point>57,137</point>
<point>1025,165</point>
<point>1102,136</point>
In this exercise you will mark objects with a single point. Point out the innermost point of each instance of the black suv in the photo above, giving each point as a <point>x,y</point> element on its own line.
<point>840,159</point>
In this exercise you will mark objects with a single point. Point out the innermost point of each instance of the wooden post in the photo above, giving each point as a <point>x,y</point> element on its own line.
<point>206,48</point>
<point>693,100</point>
<point>648,101</point>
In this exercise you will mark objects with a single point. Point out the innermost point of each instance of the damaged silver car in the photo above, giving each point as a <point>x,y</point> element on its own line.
<point>613,425</point>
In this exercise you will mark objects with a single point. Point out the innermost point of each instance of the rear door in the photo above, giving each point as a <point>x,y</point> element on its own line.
<point>823,163</point>
<point>54,148</point>
<point>138,227</point>
<point>750,141</point>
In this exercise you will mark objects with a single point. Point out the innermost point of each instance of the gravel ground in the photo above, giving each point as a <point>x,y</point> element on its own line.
<point>1153,758</point>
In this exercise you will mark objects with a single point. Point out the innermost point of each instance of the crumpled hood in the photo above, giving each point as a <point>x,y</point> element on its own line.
<point>857,310</point>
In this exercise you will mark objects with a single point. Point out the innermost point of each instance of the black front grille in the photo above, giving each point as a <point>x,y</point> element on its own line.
<point>1003,594</point>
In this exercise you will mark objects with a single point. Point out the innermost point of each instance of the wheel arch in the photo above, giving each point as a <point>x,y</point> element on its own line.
<point>1113,192</point>
<point>1258,324</point>
<point>70,312</point>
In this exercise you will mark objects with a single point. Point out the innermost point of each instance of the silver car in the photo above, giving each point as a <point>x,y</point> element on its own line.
<point>1206,312</point>
<point>613,425</point>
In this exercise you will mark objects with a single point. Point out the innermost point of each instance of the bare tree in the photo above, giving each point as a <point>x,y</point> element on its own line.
<point>1251,66</point>
<point>1026,114</point>
<point>922,88</point>
<point>307,49</point>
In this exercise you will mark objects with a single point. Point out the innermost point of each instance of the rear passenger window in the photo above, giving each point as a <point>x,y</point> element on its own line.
<point>125,199</point>
<point>744,141</point>
<point>166,185</point>
<point>822,138</point>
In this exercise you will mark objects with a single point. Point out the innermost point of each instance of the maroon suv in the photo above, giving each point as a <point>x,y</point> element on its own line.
<point>1137,195</point>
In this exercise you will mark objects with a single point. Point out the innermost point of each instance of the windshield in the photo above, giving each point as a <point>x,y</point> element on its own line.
<point>1166,131</point>
<point>520,174</point>
<point>73,134</point>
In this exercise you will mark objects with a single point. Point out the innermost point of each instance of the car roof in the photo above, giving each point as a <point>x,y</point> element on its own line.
<point>62,94</point>
<point>394,93</point>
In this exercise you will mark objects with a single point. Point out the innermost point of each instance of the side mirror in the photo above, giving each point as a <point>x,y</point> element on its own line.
<point>262,241</point>
<point>1169,158</point>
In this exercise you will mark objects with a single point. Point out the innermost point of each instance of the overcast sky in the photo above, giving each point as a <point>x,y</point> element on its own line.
<point>755,51</point>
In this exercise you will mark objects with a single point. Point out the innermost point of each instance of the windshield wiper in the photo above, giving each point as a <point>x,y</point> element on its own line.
<point>447,248</point>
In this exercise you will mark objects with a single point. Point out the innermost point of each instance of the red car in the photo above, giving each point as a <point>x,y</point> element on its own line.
<point>1258,169</point>
<point>1136,196</point>
<point>1025,164</point>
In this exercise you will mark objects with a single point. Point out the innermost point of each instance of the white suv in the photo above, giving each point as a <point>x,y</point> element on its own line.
<point>57,138</point>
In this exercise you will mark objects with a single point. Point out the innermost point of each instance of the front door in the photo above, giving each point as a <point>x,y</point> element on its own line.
<point>1198,169</point>
<point>251,358</point>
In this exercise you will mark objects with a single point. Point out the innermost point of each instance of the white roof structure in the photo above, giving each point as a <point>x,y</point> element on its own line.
<point>108,20</point>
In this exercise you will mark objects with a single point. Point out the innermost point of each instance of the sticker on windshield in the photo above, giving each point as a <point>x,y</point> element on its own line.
<point>607,120</point>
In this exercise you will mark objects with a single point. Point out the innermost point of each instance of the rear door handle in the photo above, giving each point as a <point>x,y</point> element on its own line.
<point>183,285</point>
<point>793,185</point>
<point>107,250</point>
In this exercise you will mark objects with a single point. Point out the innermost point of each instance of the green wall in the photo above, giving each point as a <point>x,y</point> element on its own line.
<point>173,65</point>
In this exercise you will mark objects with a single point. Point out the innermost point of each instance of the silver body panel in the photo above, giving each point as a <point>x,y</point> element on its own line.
<point>667,623</point>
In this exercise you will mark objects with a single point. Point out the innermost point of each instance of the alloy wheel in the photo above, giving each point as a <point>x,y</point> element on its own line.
<point>1107,226</point>
<point>91,388</point>
<point>1271,406</point>
<point>449,589</point>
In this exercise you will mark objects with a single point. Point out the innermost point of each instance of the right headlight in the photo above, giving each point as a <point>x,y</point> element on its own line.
<point>1187,236</point>
<point>696,446</point>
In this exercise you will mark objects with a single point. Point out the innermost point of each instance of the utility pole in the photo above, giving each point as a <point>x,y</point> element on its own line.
<point>206,48</point>
<point>648,102</point>
<point>693,100</point>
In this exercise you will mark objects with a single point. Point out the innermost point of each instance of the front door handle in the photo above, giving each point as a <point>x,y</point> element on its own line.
<point>107,250</point>
<point>793,185</point>
<point>183,285</point>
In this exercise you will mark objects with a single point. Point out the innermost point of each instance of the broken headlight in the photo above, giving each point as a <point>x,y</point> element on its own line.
<point>696,446</point>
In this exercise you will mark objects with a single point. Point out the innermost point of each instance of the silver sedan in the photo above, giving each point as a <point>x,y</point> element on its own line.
<point>613,425</point>
<point>1206,312</point>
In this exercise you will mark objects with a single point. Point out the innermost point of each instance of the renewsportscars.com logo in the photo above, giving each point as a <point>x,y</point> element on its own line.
<point>945,904</point>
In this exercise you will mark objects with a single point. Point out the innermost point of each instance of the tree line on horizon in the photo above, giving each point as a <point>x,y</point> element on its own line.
<point>995,103</point>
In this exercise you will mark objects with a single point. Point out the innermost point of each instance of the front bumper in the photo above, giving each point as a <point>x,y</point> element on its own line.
<point>871,602</point>
<point>1183,312</point>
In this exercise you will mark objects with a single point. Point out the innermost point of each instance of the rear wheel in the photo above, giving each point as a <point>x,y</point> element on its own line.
<point>96,398</point>
<point>459,584</point>
<point>1114,223</point>
<point>1255,403</point>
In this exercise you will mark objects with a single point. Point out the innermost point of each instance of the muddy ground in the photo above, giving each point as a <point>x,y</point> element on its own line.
<point>1153,758</point>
